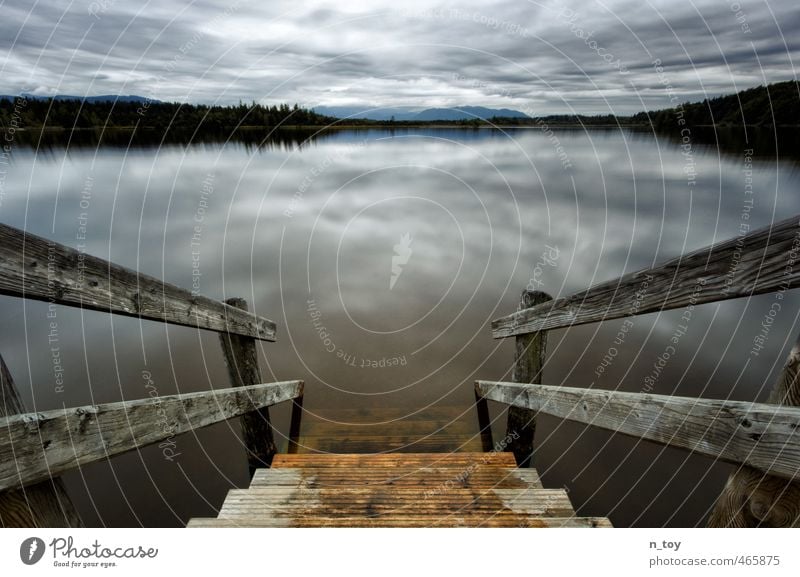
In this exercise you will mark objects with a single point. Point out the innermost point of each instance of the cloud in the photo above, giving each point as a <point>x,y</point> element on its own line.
<point>548,57</point>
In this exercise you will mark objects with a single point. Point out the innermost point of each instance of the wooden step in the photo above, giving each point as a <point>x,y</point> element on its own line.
<point>394,460</point>
<point>485,476</point>
<point>463,489</point>
<point>374,501</point>
<point>508,521</point>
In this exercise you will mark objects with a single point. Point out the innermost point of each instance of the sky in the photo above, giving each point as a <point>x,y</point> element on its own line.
<point>539,57</point>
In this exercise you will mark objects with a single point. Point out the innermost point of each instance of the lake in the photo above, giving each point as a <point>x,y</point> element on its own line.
<point>383,256</point>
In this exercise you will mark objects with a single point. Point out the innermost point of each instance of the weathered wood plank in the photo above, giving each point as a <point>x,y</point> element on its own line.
<point>528,364</point>
<point>765,437</point>
<point>44,504</point>
<point>458,520</point>
<point>35,268</point>
<point>241,357</point>
<point>377,500</point>
<point>756,263</point>
<point>751,498</point>
<point>394,460</point>
<point>478,476</point>
<point>36,446</point>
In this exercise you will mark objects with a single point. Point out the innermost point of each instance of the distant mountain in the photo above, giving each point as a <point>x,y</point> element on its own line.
<point>406,114</point>
<point>92,99</point>
<point>468,113</point>
<point>362,112</point>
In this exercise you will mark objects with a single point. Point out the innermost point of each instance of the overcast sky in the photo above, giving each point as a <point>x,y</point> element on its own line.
<point>532,56</point>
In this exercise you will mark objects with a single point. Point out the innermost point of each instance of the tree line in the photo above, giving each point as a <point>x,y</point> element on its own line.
<point>32,113</point>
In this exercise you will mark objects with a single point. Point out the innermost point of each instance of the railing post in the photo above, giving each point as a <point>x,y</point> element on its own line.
<point>528,363</point>
<point>752,498</point>
<point>241,357</point>
<point>44,504</point>
<point>484,422</point>
<point>294,425</point>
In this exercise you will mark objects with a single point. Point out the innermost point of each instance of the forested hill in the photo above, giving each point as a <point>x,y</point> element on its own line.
<point>37,113</point>
<point>773,105</point>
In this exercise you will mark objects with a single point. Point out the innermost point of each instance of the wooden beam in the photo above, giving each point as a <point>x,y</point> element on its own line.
<point>37,446</point>
<point>765,437</point>
<point>759,262</point>
<point>35,268</point>
<point>528,364</point>
<point>241,357</point>
<point>751,498</point>
<point>44,504</point>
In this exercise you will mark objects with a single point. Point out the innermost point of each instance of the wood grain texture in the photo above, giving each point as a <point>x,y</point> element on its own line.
<point>377,500</point>
<point>529,360</point>
<point>394,460</point>
<point>445,521</point>
<point>408,490</point>
<point>44,504</point>
<point>241,357</point>
<point>480,476</point>
<point>751,498</point>
<point>37,446</point>
<point>765,437</point>
<point>752,264</point>
<point>35,268</point>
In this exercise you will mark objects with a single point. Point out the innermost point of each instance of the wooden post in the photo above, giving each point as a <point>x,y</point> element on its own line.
<point>484,422</point>
<point>751,498</point>
<point>528,363</point>
<point>294,424</point>
<point>242,360</point>
<point>44,504</point>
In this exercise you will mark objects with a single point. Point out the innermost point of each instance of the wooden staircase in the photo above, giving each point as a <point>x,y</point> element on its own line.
<point>397,490</point>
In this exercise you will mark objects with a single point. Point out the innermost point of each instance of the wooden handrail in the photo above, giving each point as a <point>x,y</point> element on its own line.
<point>38,446</point>
<point>763,436</point>
<point>759,262</point>
<point>36,268</point>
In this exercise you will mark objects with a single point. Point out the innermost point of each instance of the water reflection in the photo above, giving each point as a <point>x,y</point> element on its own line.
<point>313,232</point>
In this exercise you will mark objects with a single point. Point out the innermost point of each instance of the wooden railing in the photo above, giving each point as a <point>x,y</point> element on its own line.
<point>762,438</point>
<point>35,448</point>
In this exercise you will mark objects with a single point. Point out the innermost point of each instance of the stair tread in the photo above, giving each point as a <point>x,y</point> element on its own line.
<point>460,489</point>
<point>318,460</point>
<point>376,500</point>
<point>404,521</point>
<point>424,476</point>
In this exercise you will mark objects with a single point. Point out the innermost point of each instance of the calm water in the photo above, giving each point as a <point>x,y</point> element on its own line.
<point>308,235</point>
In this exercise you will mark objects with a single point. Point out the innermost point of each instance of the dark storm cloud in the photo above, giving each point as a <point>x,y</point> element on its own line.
<point>527,55</point>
